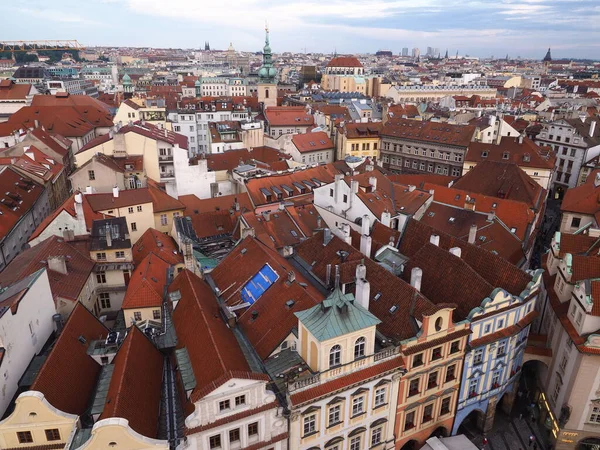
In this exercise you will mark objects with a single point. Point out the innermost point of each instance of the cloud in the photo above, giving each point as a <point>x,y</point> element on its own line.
<point>58,16</point>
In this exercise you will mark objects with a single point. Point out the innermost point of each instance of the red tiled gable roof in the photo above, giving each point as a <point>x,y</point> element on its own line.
<point>419,180</point>
<point>10,91</point>
<point>159,244</point>
<point>213,349</point>
<point>346,382</point>
<point>274,320</point>
<point>69,207</point>
<point>161,201</point>
<point>344,61</point>
<point>585,267</point>
<point>64,286</point>
<point>494,269</point>
<point>35,162</point>
<point>514,214</point>
<point>397,111</point>
<point>527,154</point>
<point>305,216</point>
<point>441,133</point>
<point>18,194</point>
<point>129,197</point>
<point>312,142</point>
<point>361,130</point>
<point>213,223</point>
<point>134,392</point>
<point>333,110</point>
<point>292,116</point>
<point>147,284</point>
<point>76,101</point>
<point>68,376</point>
<point>221,203</point>
<point>583,199</point>
<point>518,124</point>
<point>276,232</point>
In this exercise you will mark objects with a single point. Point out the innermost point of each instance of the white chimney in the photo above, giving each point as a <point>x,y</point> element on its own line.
<point>108,237</point>
<point>472,234</point>
<point>354,186</point>
<point>411,188</point>
<point>365,245</point>
<point>116,192</point>
<point>89,190</point>
<point>456,251</point>
<point>366,225</point>
<point>363,287</point>
<point>346,233</point>
<point>79,198</point>
<point>373,183</point>
<point>521,138</point>
<point>57,264</point>
<point>435,239</point>
<point>416,276</point>
<point>592,128</point>
<point>386,218</point>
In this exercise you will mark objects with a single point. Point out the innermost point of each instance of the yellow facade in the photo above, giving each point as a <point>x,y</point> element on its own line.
<point>139,218</point>
<point>163,221</point>
<point>116,434</point>
<point>364,147</point>
<point>135,315</point>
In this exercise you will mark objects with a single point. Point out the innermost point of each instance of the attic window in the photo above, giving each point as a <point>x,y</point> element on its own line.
<point>377,296</point>
<point>457,197</point>
<point>494,205</point>
<point>513,230</point>
<point>393,309</point>
<point>482,238</point>
<point>289,303</point>
<point>82,339</point>
<point>451,219</point>
<point>484,154</point>
<point>505,155</point>
<point>431,214</point>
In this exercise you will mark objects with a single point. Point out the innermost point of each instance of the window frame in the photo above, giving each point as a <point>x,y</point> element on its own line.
<point>309,424</point>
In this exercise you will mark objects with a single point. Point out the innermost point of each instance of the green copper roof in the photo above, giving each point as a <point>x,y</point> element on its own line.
<point>337,315</point>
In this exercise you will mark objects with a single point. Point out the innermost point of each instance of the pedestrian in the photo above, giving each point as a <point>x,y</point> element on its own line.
<point>531,440</point>
<point>521,415</point>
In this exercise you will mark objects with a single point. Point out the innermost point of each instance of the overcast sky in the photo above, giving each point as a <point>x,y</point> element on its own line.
<point>477,27</point>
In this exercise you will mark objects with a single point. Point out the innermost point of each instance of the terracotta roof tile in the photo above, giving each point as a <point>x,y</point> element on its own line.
<point>159,244</point>
<point>194,205</point>
<point>525,154</point>
<point>129,197</point>
<point>440,133</point>
<point>147,284</point>
<point>344,61</point>
<point>293,116</point>
<point>18,194</point>
<point>312,142</point>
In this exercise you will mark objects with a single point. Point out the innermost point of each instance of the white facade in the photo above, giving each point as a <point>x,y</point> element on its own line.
<point>24,330</point>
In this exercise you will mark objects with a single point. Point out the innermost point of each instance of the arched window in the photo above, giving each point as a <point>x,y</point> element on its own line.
<point>335,356</point>
<point>359,348</point>
<point>266,93</point>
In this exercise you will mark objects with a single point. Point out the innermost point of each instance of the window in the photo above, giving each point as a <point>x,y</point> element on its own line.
<point>331,192</point>
<point>101,256</point>
<point>224,405</point>
<point>376,436</point>
<point>133,226</point>
<point>234,435</point>
<point>163,220</point>
<point>436,353</point>
<point>455,347</point>
<point>139,208</point>
<point>345,198</point>
<point>91,175</point>
<point>379,397</point>
<point>575,222</point>
<point>418,360</point>
<point>501,349</point>
<point>104,298</point>
<point>496,379</point>
<point>359,348</point>
<point>595,416</point>
<point>310,424</point>
<point>101,277</point>
<point>487,328</point>
<point>451,373</point>
<point>556,391</point>
<point>52,434</point>
<point>156,314</point>
<point>355,443</point>
<point>445,409</point>
<point>432,380</point>
<point>564,361</point>
<point>413,387</point>
<point>24,437</point>
<point>334,415</point>
<point>478,356</point>
<point>215,441</point>
<point>335,356</point>
<point>358,406</point>
<point>137,316</point>
<point>473,384</point>
<point>253,429</point>
<point>579,317</point>
<point>409,421</point>
<point>130,210</point>
<point>240,400</point>
<point>427,413</point>
<point>120,254</point>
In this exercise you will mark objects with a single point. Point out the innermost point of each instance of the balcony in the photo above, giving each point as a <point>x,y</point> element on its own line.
<point>165,158</point>
<point>167,175</point>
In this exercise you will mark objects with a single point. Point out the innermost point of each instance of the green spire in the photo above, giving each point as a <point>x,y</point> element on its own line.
<point>267,72</point>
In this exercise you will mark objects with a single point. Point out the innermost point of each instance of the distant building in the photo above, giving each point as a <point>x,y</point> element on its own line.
<point>405,51</point>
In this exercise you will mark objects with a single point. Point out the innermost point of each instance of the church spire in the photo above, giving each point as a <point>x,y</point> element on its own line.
<point>267,72</point>
<point>548,56</point>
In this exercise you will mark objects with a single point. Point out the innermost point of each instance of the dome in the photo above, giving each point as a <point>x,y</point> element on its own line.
<point>197,83</point>
<point>126,78</point>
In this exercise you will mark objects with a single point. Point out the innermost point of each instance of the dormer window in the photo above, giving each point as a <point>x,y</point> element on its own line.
<point>359,348</point>
<point>335,356</point>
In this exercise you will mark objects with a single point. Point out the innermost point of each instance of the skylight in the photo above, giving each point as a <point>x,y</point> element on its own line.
<point>258,284</point>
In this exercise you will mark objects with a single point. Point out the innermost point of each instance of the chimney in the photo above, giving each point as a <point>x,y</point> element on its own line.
<point>521,138</point>
<point>366,225</point>
<point>416,276</point>
<point>456,251</point>
<point>365,245</point>
<point>68,235</point>
<point>327,236</point>
<point>435,239</point>
<point>236,204</point>
<point>116,192</point>
<point>373,183</point>
<point>363,287</point>
<point>319,222</point>
<point>267,216</point>
<point>166,133</point>
<point>108,237</point>
<point>346,233</point>
<point>89,190</point>
<point>592,128</point>
<point>58,264</point>
<point>411,188</point>
<point>472,234</point>
<point>354,186</point>
<point>337,277</point>
<point>328,275</point>
<point>386,219</point>
<point>291,276</point>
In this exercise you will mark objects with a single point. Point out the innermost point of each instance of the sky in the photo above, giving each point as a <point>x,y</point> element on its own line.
<point>481,28</point>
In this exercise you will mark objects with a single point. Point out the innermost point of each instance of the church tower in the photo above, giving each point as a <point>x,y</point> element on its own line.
<point>267,86</point>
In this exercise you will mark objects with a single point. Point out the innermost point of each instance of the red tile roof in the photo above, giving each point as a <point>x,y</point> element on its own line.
<point>584,199</point>
<point>10,91</point>
<point>66,286</point>
<point>147,284</point>
<point>274,320</point>
<point>18,194</point>
<point>419,180</point>
<point>134,392</point>
<point>336,385</point>
<point>361,130</point>
<point>344,61</point>
<point>213,223</point>
<point>312,142</point>
<point>161,201</point>
<point>440,133</point>
<point>129,197</point>
<point>68,376</point>
<point>275,230</point>
<point>525,154</point>
<point>195,205</point>
<point>159,244</point>
<point>292,116</point>
<point>213,349</point>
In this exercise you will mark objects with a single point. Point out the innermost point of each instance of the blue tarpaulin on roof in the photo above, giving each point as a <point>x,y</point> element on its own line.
<point>258,284</point>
